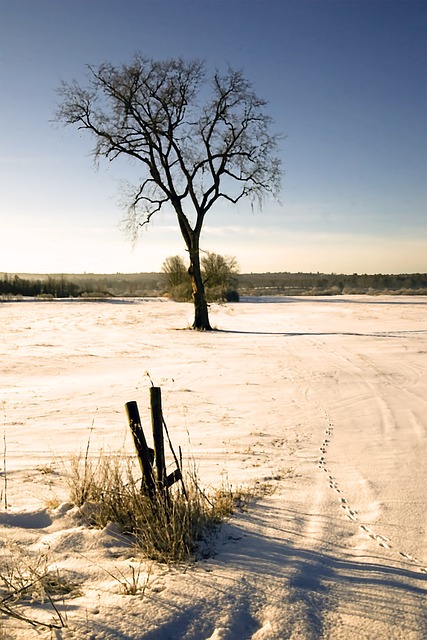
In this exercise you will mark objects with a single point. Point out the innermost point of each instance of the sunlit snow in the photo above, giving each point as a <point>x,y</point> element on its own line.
<point>320,403</point>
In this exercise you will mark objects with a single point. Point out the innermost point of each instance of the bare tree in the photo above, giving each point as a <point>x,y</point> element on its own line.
<point>198,139</point>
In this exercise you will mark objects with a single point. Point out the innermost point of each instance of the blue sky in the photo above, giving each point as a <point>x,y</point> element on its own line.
<point>346,83</point>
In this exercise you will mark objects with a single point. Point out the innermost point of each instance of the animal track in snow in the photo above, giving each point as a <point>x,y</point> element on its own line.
<point>382,541</point>
<point>351,514</point>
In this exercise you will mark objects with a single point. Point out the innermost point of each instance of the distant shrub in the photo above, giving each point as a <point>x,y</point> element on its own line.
<point>181,292</point>
<point>89,295</point>
<point>221,294</point>
<point>232,296</point>
<point>318,291</point>
<point>45,296</point>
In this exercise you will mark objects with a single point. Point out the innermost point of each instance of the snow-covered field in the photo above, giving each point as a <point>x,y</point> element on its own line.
<point>324,400</point>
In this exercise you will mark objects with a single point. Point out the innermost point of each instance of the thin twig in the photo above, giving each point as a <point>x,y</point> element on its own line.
<point>175,458</point>
<point>4,457</point>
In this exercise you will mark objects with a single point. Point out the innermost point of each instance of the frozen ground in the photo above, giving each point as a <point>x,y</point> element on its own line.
<point>323,399</point>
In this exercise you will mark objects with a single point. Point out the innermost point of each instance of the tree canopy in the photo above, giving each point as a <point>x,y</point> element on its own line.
<point>199,138</point>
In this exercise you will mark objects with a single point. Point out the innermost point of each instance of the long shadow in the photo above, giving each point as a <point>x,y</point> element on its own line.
<point>271,555</point>
<point>309,584</point>
<point>368,589</point>
<point>293,334</point>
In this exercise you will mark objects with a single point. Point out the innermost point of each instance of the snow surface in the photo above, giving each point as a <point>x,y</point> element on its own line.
<point>324,400</point>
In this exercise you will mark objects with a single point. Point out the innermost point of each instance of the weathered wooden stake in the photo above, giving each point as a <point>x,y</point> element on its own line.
<point>157,425</point>
<point>145,454</point>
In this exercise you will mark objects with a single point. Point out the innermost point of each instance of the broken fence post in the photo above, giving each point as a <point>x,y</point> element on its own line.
<point>145,454</point>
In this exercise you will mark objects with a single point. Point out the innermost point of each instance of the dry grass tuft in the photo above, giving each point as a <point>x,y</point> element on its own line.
<point>27,581</point>
<point>165,529</point>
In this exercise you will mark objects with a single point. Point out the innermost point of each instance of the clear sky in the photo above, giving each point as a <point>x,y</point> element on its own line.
<point>346,83</point>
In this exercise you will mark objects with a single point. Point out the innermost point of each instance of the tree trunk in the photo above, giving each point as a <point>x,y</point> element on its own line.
<point>201,315</point>
<point>191,238</point>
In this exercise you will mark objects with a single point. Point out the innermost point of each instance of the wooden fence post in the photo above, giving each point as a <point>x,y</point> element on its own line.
<point>159,448</point>
<point>145,455</point>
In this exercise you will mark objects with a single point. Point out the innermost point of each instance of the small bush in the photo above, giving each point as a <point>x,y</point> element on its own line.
<point>232,295</point>
<point>221,294</point>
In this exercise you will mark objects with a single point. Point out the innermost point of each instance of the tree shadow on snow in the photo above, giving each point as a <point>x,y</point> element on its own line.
<point>316,577</point>
<point>300,583</point>
<point>293,334</point>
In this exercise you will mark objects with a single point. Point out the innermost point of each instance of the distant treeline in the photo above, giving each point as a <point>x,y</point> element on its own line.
<point>82,285</point>
<point>331,284</point>
<point>153,284</point>
<point>52,286</point>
